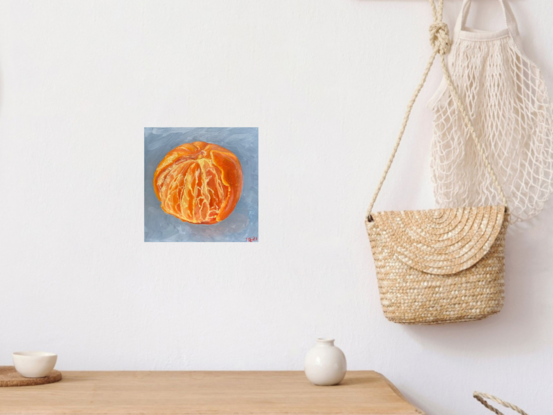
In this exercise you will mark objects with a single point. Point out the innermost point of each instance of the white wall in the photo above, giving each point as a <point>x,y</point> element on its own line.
<point>326,82</point>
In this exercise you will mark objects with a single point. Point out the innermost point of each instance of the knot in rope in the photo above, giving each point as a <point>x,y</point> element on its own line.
<point>439,38</point>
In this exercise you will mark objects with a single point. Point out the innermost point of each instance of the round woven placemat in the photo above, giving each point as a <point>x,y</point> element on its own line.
<point>10,377</point>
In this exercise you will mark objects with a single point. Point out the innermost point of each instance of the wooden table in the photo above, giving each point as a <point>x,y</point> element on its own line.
<point>213,393</point>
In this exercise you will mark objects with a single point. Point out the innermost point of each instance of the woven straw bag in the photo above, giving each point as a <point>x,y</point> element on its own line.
<point>482,397</point>
<point>443,265</point>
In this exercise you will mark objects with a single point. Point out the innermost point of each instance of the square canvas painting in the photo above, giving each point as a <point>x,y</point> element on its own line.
<point>201,185</point>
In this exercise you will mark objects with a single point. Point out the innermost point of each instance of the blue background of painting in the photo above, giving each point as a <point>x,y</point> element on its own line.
<point>242,223</point>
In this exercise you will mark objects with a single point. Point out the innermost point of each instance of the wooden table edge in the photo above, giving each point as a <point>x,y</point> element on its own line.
<point>67,376</point>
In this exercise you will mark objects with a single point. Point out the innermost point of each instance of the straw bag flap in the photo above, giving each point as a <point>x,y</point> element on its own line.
<point>439,241</point>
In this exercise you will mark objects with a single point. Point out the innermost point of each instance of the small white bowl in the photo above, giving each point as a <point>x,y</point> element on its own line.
<point>34,364</point>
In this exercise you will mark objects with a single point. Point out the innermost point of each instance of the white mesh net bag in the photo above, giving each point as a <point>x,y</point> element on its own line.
<point>507,100</point>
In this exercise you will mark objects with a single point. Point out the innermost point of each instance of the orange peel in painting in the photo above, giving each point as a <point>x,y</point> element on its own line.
<point>199,183</point>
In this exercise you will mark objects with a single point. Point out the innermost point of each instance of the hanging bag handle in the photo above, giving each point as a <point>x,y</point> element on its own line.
<point>441,45</point>
<point>510,19</point>
<point>481,397</point>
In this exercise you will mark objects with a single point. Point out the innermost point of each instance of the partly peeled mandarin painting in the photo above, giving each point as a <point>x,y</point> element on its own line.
<point>204,181</point>
<point>199,182</point>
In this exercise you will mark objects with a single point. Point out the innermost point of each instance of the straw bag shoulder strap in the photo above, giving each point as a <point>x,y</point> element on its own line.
<point>481,397</point>
<point>441,45</point>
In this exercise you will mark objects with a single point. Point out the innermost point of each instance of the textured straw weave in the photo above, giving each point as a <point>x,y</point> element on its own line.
<point>442,265</point>
<point>439,266</point>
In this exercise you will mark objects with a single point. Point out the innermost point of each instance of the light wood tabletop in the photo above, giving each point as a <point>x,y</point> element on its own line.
<point>213,393</point>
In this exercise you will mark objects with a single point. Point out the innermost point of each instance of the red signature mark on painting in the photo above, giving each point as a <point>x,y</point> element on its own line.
<point>254,239</point>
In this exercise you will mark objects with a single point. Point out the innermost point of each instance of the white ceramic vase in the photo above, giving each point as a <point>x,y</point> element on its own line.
<point>325,364</point>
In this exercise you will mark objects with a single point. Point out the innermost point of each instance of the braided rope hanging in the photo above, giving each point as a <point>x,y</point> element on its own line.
<point>441,45</point>
<point>481,397</point>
